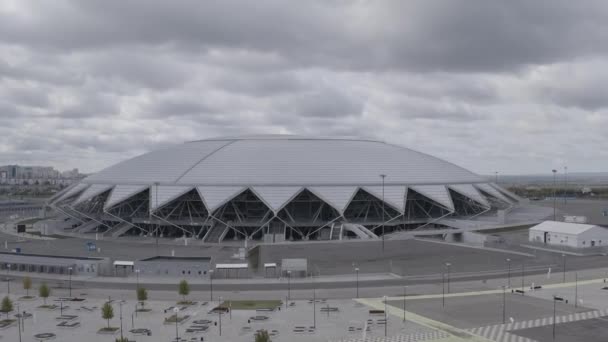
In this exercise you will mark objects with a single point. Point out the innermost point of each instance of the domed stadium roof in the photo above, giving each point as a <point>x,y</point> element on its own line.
<point>276,167</point>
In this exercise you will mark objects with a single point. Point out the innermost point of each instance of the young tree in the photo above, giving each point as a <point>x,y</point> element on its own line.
<point>184,289</point>
<point>262,336</point>
<point>107,312</point>
<point>44,291</point>
<point>142,295</point>
<point>7,306</point>
<point>27,285</point>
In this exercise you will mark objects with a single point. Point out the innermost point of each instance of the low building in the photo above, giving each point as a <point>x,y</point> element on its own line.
<point>568,234</point>
<point>187,267</point>
<point>55,264</point>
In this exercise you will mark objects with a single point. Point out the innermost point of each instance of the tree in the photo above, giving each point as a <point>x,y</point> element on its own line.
<point>262,336</point>
<point>184,289</point>
<point>142,295</point>
<point>107,312</point>
<point>27,285</point>
<point>7,306</point>
<point>44,291</point>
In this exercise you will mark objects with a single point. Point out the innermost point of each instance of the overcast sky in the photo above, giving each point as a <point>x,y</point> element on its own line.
<point>509,86</point>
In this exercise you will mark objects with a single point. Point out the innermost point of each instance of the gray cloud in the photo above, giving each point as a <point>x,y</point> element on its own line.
<point>488,85</point>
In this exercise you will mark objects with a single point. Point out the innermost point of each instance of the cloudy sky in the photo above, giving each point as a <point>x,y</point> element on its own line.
<point>514,86</point>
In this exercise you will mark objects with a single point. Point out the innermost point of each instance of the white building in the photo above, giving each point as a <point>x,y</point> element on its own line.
<point>569,234</point>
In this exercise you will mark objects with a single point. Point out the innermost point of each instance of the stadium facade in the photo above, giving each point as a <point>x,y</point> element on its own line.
<point>275,188</point>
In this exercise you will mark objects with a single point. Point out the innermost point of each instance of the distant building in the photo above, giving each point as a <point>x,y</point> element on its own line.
<point>569,234</point>
<point>17,174</point>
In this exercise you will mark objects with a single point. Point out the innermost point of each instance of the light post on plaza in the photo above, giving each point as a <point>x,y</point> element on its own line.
<point>565,184</point>
<point>443,289</point>
<point>20,317</point>
<point>158,226</point>
<point>554,194</point>
<point>220,312</point>
<point>564,270</point>
<point>211,285</point>
<point>509,272</point>
<point>137,279</point>
<point>357,280</point>
<point>555,299</point>
<point>314,305</point>
<point>522,277</point>
<point>288,286</point>
<point>121,336</point>
<point>383,176</point>
<point>404,295</point>
<point>175,312</point>
<point>496,177</point>
<point>8,279</point>
<point>447,266</point>
<point>70,282</point>
<point>385,317</point>
<point>504,305</point>
<point>576,289</point>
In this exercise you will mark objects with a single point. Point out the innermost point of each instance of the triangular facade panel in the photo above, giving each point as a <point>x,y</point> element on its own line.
<point>276,196</point>
<point>510,195</point>
<point>394,195</point>
<point>490,190</point>
<point>122,192</point>
<point>72,191</point>
<point>166,194</point>
<point>469,191</point>
<point>92,191</point>
<point>215,196</point>
<point>438,193</point>
<point>336,196</point>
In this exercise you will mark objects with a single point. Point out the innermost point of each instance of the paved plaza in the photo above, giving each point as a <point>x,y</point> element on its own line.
<point>345,320</point>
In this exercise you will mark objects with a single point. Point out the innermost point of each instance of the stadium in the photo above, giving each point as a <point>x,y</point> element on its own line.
<point>274,188</point>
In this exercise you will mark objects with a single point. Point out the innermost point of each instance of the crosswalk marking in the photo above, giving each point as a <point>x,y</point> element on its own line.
<point>501,332</point>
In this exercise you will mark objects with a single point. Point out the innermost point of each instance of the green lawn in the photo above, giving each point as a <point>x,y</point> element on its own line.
<point>251,304</point>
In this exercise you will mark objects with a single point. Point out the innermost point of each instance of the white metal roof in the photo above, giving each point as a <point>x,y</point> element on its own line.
<point>563,227</point>
<point>278,167</point>
<point>284,160</point>
<point>124,263</point>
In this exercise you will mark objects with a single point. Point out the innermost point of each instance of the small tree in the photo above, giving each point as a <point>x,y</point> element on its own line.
<point>7,306</point>
<point>142,295</point>
<point>44,291</point>
<point>27,285</point>
<point>107,312</point>
<point>184,289</point>
<point>262,336</point>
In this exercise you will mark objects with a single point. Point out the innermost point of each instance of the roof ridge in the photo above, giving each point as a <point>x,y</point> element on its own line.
<point>202,159</point>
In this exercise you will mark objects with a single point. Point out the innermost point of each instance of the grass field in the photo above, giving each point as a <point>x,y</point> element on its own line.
<point>251,304</point>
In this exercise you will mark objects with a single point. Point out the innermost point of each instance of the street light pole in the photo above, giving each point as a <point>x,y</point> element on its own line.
<point>554,198</point>
<point>314,305</point>
<point>509,272</point>
<point>220,318</point>
<point>137,278</point>
<point>496,177</point>
<point>121,336</point>
<point>576,289</point>
<point>288,286</point>
<point>447,265</point>
<point>383,176</point>
<point>564,270</point>
<point>8,279</point>
<point>211,285</point>
<point>357,280</point>
<point>404,307</point>
<point>565,184</point>
<point>442,289</point>
<point>70,281</point>
<point>20,317</point>
<point>522,278</point>
<point>385,318</point>
<point>504,305</point>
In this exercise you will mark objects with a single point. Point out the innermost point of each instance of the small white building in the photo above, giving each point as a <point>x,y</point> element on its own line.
<point>569,234</point>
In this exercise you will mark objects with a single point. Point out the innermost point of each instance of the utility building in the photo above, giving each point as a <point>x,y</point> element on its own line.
<point>569,234</point>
